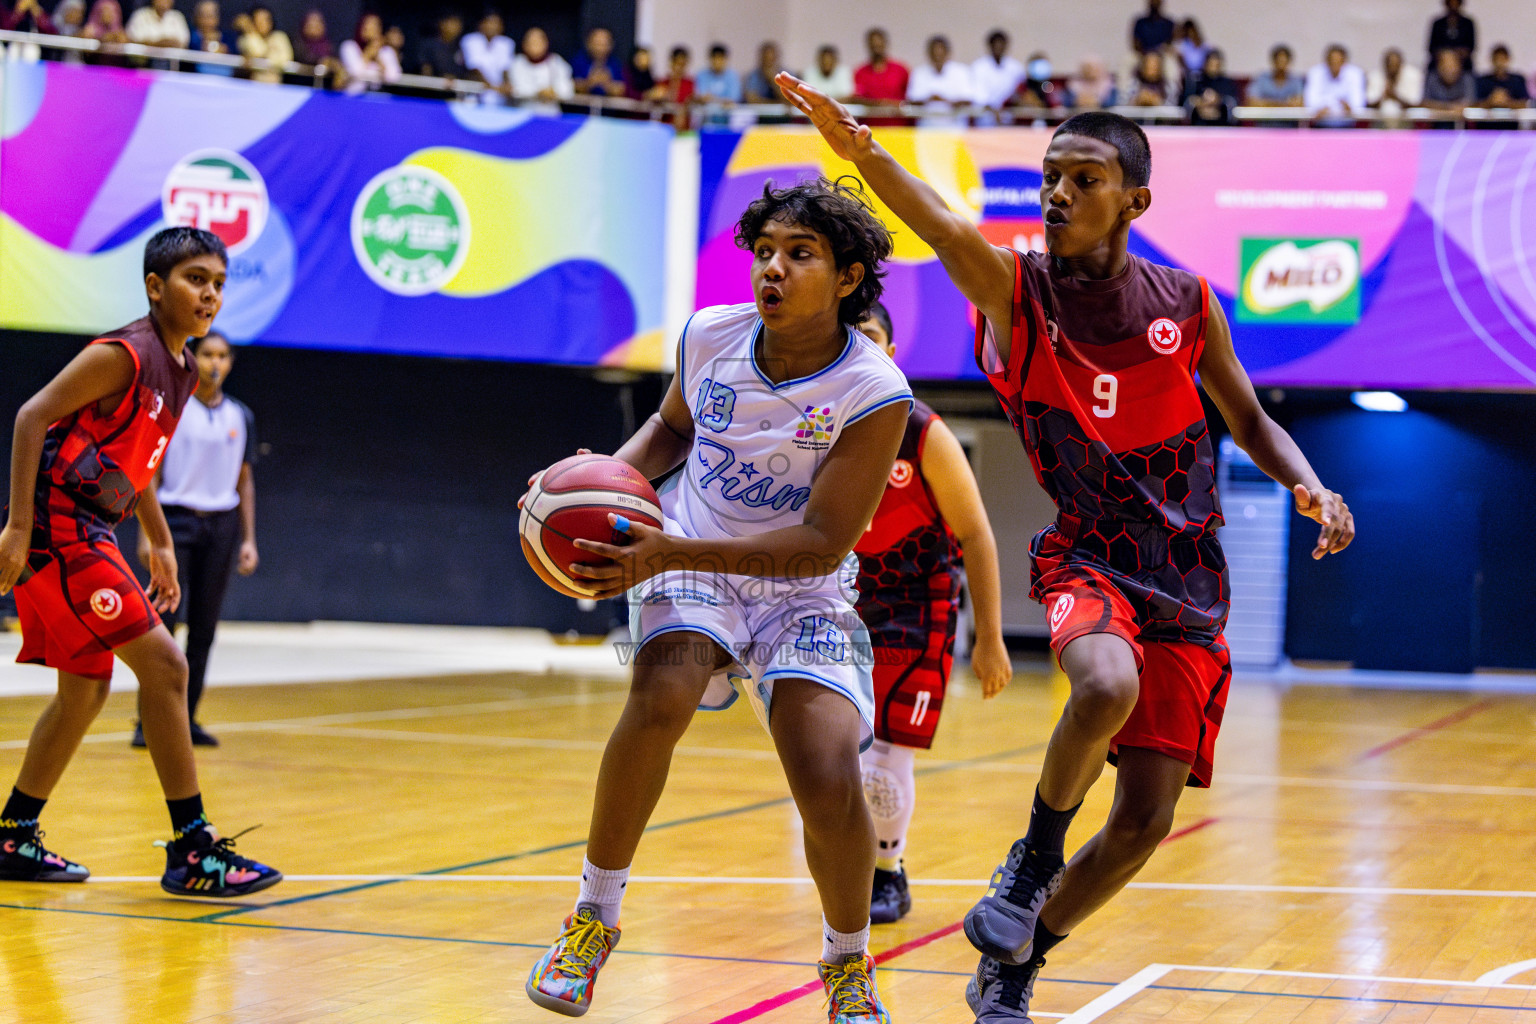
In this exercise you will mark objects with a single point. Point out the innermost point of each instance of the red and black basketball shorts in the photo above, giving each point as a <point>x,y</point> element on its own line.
<point>80,605</point>
<point>1183,685</point>
<point>910,680</point>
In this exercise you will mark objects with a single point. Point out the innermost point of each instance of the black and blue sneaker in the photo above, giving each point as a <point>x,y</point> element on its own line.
<point>201,863</point>
<point>891,898</point>
<point>23,858</point>
<point>1000,993</point>
<point>1002,923</point>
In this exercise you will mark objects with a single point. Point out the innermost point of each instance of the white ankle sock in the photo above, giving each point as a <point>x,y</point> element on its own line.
<point>890,788</point>
<point>836,945</point>
<point>604,889</point>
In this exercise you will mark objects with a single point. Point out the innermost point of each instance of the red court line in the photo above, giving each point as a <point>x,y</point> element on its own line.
<point>1424,730</point>
<point>784,998</point>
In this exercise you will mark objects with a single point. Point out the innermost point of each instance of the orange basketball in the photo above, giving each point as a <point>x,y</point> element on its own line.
<point>572,501</point>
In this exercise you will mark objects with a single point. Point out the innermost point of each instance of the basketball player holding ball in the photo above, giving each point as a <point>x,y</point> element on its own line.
<point>787,421</point>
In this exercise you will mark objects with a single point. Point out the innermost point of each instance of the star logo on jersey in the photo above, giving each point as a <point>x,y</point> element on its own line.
<point>1164,336</point>
<point>410,230</point>
<point>815,430</point>
<point>1060,610</point>
<point>107,603</point>
<point>901,473</point>
<point>219,191</point>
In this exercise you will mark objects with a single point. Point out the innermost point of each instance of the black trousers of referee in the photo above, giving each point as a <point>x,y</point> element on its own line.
<point>206,546</point>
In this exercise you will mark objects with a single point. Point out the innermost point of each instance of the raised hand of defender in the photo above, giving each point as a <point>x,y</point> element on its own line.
<point>164,587</point>
<point>848,139</point>
<point>627,566</point>
<point>14,544</point>
<point>1328,508</point>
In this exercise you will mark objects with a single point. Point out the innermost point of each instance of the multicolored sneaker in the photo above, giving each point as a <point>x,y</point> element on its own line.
<point>851,994</point>
<point>23,857</point>
<point>1000,993</point>
<point>891,898</point>
<point>1002,923</point>
<point>563,978</point>
<point>201,863</point>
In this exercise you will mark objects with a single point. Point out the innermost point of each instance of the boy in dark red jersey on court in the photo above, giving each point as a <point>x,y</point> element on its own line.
<point>85,450</point>
<point>909,591</point>
<point>1093,354</point>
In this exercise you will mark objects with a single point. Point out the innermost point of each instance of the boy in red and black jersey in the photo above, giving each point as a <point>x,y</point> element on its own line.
<point>909,590</point>
<point>85,450</point>
<point>1093,354</point>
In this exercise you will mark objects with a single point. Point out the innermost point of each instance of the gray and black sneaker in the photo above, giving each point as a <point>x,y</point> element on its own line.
<point>1000,993</point>
<point>1002,923</point>
<point>891,898</point>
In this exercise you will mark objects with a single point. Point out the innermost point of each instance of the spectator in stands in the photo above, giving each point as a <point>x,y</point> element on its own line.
<point>759,87</point>
<point>718,82</point>
<point>997,75</point>
<point>678,86</point>
<point>440,54</point>
<point>1153,30</point>
<point>829,75</point>
<point>1453,31</point>
<point>882,80</point>
<point>209,37</point>
<point>367,58</point>
<point>106,23</point>
<point>638,80</point>
<point>1450,86</point>
<point>490,53</point>
<point>1211,94</point>
<point>1093,87</point>
<point>539,73</point>
<point>1038,91</point>
<point>69,20</point>
<point>1149,86</point>
<point>265,41</point>
<point>314,44</point>
<point>1277,88</point>
<point>394,37</point>
<point>28,16</point>
<point>1191,46</point>
<point>942,82</point>
<point>596,70</point>
<point>160,24</point>
<point>1502,87</point>
<point>1335,89</point>
<point>1395,86</point>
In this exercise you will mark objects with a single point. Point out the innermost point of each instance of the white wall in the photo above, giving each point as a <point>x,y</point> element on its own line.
<point>1070,29</point>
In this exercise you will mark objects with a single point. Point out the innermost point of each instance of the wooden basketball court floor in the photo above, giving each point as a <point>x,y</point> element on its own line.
<point>1365,855</point>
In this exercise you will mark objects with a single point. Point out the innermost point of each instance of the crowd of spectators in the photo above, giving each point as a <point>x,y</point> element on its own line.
<point>1170,64</point>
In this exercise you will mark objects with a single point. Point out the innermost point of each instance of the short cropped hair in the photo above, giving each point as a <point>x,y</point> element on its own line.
<point>680,51</point>
<point>719,50</point>
<point>997,35</point>
<point>167,248</point>
<point>1125,135</point>
<point>842,212</point>
<point>196,343</point>
<point>1501,48</point>
<point>1279,49</point>
<point>882,316</point>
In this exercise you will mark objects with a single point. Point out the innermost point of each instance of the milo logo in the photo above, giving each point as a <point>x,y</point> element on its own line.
<point>410,230</point>
<point>1313,281</point>
<point>218,191</point>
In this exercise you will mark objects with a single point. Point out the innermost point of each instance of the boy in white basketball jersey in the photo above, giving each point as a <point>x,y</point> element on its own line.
<point>789,421</point>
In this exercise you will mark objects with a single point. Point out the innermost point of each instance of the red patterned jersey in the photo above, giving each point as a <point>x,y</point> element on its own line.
<point>99,463</point>
<point>908,559</point>
<point>1100,386</point>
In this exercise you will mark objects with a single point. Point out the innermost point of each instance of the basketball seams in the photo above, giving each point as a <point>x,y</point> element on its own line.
<point>582,497</point>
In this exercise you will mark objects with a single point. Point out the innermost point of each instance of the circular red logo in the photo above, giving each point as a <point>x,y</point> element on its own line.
<point>901,473</point>
<point>1061,610</point>
<point>1164,336</point>
<point>106,603</point>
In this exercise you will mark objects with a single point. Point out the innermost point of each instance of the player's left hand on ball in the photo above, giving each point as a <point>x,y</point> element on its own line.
<point>1328,508</point>
<point>627,566</point>
<point>164,587</point>
<point>991,664</point>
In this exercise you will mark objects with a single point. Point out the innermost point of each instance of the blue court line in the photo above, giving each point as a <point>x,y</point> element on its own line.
<point>575,843</point>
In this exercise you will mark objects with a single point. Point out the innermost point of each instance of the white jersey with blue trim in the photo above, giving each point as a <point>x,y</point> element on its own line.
<point>757,446</point>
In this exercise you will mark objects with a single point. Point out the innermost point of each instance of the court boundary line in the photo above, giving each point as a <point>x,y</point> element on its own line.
<point>1418,732</point>
<point>1499,975</point>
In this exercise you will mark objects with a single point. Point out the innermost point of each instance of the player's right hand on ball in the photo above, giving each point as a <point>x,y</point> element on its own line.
<point>13,556</point>
<point>533,480</point>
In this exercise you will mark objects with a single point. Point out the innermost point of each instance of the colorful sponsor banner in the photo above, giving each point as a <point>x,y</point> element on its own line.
<point>366,223</point>
<point>1342,258</point>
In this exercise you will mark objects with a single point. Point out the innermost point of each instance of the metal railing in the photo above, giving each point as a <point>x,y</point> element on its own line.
<point>697,114</point>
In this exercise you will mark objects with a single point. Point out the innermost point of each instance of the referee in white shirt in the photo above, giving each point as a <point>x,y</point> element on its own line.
<point>207,489</point>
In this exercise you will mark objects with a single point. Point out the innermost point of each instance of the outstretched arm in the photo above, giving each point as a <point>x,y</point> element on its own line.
<point>949,477</point>
<point>1266,442</point>
<point>982,271</point>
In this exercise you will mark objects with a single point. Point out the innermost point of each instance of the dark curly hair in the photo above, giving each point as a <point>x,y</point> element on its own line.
<point>838,210</point>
